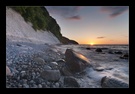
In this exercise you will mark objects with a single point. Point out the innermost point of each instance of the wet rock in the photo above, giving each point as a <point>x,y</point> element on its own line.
<point>53,65</point>
<point>99,68</point>
<point>104,48</point>
<point>8,71</point>
<point>70,82</point>
<point>51,75</point>
<point>61,61</point>
<point>88,48</point>
<point>65,71</point>
<point>98,50</point>
<point>124,56</point>
<point>109,82</point>
<point>76,62</point>
<point>118,52</point>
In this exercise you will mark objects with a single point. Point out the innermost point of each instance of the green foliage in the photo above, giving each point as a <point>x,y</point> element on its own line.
<point>40,19</point>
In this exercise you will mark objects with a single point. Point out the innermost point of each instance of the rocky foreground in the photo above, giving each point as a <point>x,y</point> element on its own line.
<point>42,66</point>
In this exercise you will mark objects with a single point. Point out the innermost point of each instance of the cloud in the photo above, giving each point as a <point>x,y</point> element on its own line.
<point>100,37</point>
<point>74,17</point>
<point>67,12</point>
<point>114,10</point>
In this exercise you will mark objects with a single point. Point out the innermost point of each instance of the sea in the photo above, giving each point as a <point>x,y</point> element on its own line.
<point>118,47</point>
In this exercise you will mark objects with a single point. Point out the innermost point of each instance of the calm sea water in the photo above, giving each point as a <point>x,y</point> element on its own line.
<point>124,47</point>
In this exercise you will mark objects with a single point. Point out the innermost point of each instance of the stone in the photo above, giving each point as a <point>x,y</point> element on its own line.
<point>54,63</point>
<point>65,71</point>
<point>23,74</point>
<point>18,44</point>
<point>39,60</point>
<point>109,82</point>
<point>25,86</point>
<point>88,48</point>
<point>61,61</point>
<point>70,82</point>
<point>40,86</point>
<point>76,62</point>
<point>56,85</point>
<point>118,52</point>
<point>98,50</point>
<point>99,68</point>
<point>124,56</point>
<point>8,71</point>
<point>46,67</point>
<point>51,75</point>
<point>104,48</point>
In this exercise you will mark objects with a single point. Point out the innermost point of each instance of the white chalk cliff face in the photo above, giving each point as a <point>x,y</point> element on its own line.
<point>17,29</point>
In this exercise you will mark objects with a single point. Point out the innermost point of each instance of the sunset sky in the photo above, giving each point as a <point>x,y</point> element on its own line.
<point>93,24</point>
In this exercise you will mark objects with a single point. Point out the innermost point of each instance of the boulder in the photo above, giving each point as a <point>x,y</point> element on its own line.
<point>109,82</point>
<point>8,71</point>
<point>65,71</point>
<point>51,75</point>
<point>70,82</point>
<point>75,61</point>
<point>98,50</point>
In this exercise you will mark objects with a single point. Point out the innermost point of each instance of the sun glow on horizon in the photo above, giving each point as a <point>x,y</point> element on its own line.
<point>91,43</point>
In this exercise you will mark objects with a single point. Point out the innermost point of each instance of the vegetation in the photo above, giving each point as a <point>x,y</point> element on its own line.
<point>40,19</point>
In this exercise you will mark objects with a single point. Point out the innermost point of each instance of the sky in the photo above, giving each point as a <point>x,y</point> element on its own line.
<point>93,24</point>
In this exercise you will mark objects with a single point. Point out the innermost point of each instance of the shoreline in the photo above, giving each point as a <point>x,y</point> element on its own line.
<point>55,53</point>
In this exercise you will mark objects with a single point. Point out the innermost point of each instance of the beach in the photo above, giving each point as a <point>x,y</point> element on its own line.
<point>27,73</point>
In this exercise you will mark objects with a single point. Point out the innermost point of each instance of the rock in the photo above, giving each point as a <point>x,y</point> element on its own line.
<point>46,67</point>
<point>88,48</point>
<point>70,82</point>
<point>104,48</point>
<point>56,85</point>
<point>25,86</point>
<point>76,62</point>
<point>124,56</point>
<point>99,68</point>
<point>110,52</point>
<point>23,75</point>
<point>18,44</point>
<point>40,86</point>
<point>118,52</point>
<point>54,63</point>
<point>39,60</point>
<point>8,71</point>
<point>65,71</point>
<point>61,61</point>
<point>108,82</point>
<point>98,50</point>
<point>51,75</point>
